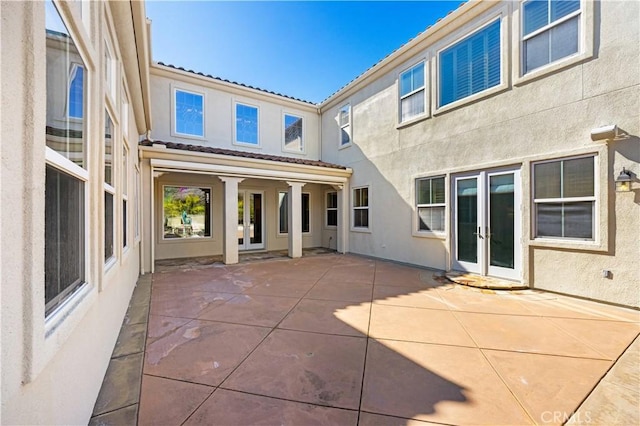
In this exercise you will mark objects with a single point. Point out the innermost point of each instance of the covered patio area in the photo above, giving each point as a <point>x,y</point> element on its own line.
<point>346,340</point>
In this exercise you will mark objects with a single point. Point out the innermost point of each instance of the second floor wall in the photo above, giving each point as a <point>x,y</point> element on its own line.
<point>193,109</point>
<point>420,100</point>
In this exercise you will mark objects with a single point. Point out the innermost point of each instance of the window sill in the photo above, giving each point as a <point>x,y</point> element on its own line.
<point>346,145</point>
<point>247,145</point>
<point>185,136</point>
<point>293,151</point>
<point>565,244</point>
<point>412,121</point>
<point>550,68</point>
<point>361,230</point>
<point>430,235</point>
<point>304,235</point>
<point>184,240</point>
<point>471,99</point>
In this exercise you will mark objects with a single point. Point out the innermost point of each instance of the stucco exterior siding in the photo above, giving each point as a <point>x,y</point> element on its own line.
<point>219,114</point>
<point>542,119</point>
<point>53,364</point>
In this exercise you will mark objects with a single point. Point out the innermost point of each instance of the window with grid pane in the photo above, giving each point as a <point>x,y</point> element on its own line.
<point>189,113</point>
<point>361,207</point>
<point>550,31</point>
<point>430,204</point>
<point>344,120</point>
<point>471,65</point>
<point>332,209</point>
<point>564,198</point>
<point>412,92</point>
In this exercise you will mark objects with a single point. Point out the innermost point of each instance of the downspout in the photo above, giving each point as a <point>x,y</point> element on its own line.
<point>320,132</point>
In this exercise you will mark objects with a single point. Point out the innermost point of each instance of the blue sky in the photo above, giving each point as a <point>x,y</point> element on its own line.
<point>307,50</point>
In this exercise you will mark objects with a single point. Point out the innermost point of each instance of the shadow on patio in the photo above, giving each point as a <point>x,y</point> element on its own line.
<point>342,339</point>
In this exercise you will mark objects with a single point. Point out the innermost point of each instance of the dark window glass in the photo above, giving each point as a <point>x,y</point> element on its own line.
<point>471,65</point>
<point>108,225</point>
<point>64,236</point>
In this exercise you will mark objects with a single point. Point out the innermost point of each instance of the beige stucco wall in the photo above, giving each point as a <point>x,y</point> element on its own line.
<point>545,118</point>
<point>219,111</point>
<point>52,368</point>
<point>209,246</point>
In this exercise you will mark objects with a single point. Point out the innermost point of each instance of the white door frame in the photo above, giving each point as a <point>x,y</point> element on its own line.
<point>482,231</point>
<point>246,220</point>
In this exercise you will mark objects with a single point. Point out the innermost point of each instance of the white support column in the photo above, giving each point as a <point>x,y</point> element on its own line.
<point>343,218</point>
<point>295,218</point>
<point>230,219</point>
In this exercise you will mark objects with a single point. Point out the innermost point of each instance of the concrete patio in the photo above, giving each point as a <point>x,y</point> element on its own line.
<point>346,340</point>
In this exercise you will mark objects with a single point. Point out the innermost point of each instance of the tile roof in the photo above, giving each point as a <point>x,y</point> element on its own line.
<point>243,154</point>
<point>234,82</point>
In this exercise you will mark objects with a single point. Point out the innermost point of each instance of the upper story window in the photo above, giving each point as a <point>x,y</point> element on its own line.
<point>564,198</point>
<point>109,68</point>
<point>66,171</point>
<point>430,204</point>
<point>471,65</point>
<point>344,120</point>
<point>189,113</point>
<point>247,124</point>
<point>550,31</point>
<point>412,92</point>
<point>293,133</point>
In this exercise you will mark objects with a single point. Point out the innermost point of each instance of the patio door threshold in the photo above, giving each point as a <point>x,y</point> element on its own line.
<point>484,281</point>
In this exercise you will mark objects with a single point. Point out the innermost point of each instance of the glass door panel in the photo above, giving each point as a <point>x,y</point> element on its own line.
<point>467,220</point>
<point>250,220</point>
<point>241,219</point>
<point>487,223</point>
<point>501,221</point>
<point>255,219</point>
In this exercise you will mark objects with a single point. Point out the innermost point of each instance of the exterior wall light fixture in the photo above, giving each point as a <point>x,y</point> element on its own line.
<point>623,181</point>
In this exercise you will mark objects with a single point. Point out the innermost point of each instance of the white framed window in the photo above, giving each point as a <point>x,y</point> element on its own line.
<point>66,171</point>
<point>186,212</point>
<point>430,204</point>
<point>564,198</point>
<point>471,65</point>
<point>136,201</point>
<point>188,113</point>
<point>344,121</point>
<point>125,194</point>
<point>293,133</point>
<point>109,67</point>
<point>360,207</point>
<point>331,209</point>
<point>247,125</point>
<point>283,212</point>
<point>109,190</point>
<point>550,31</point>
<point>412,92</point>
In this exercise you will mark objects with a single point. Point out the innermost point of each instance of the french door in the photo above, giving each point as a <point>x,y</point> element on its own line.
<point>487,223</point>
<point>250,220</point>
